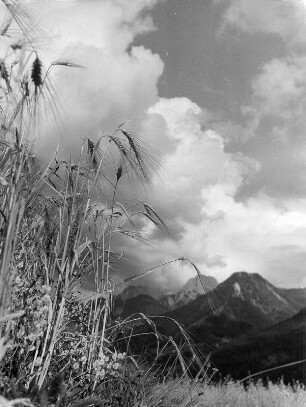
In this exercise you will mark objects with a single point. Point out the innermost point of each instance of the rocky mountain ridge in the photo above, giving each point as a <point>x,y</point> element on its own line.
<point>237,305</point>
<point>191,290</point>
<point>244,297</point>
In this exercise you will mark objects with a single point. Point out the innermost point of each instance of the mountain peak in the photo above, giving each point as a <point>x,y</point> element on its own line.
<point>247,276</point>
<point>244,280</point>
<point>191,290</point>
<point>255,291</point>
<point>201,284</point>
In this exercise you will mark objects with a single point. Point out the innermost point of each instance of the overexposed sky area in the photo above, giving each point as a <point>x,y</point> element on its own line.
<point>219,88</point>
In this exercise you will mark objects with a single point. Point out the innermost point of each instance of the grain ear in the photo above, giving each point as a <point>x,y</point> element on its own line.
<point>5,75</point>
<point>36,74</point>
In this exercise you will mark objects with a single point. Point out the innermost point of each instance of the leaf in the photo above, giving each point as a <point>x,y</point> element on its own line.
<point>3,347</point>
<point>82,247</point>
<point>65,62</point>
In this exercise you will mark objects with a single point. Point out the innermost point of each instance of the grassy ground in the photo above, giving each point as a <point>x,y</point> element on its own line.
<point>256,395</point>
<point>231,394</point>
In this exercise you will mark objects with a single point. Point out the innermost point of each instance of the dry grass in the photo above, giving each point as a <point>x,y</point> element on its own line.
<point>255,395</point>
<point>230,394</point>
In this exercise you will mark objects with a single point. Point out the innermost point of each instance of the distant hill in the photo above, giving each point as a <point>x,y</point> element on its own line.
<point>277,345</point>
<point>296,322</point>
<point>141,303</point>
<point>295,296</point>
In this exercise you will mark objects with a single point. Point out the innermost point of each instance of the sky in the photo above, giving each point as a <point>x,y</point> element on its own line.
<point>218,87</point>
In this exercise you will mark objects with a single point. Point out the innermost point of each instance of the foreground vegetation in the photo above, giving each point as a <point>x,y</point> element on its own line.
<point>62,224</point>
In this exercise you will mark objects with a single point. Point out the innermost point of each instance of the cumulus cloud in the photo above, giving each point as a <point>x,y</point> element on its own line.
<point>277,101</point>
<point>271,122</point>
<point>197,188</point>
<point>119,80</point>
<point>280,88</point>
<point>198,161</point>
<point>276,121</point>
<point>286,18</point>
<point>271,218</point>
<point>254,235</point>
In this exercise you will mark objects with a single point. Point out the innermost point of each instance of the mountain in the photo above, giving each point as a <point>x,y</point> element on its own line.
<point>245,323</point>
<point>141,299</point>
<point>244,302</point>
<point>189,292</point>
<point>245,297</point>
<point>240,303</point>
<point>235,308</point>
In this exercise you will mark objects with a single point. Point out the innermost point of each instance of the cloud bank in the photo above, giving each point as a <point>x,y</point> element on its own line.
<point>197,188</point>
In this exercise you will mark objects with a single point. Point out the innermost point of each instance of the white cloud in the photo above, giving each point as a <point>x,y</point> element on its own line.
<point>119,80</point>
<point>253,236</point>
<point>197,189</point>
<point>286,18</point>
<point>278,100</point>
<point>196,163</point>
<point>275,115</point>
<point>280,88</point>
<point>264,234</point>
<point>199,159</point>
<point>277,104</point>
